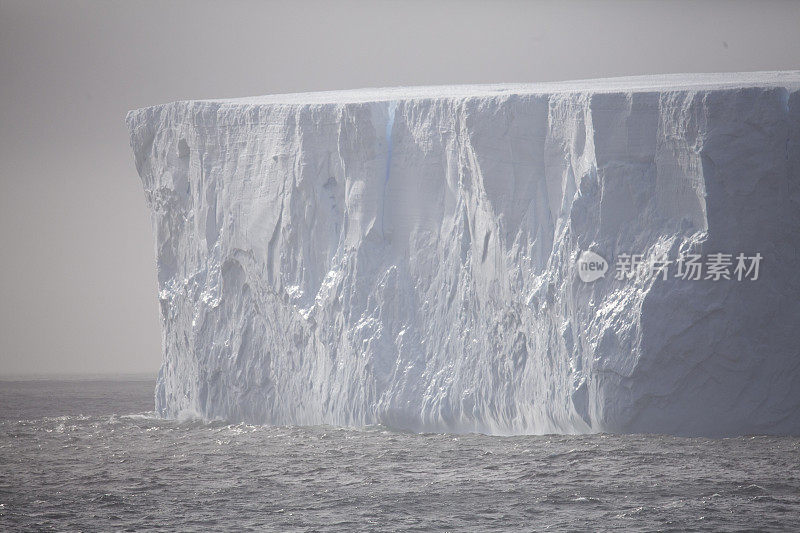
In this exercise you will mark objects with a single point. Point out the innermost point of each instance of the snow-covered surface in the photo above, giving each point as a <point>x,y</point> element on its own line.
<point>408,256</point>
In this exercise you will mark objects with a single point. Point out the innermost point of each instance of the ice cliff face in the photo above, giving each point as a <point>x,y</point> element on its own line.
<point>408,257</point>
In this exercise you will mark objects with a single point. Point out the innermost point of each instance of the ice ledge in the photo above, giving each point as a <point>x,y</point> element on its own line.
<point>625,84</point>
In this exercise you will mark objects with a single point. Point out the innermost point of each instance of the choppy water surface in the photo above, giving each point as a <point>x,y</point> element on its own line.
<point>86,455</point>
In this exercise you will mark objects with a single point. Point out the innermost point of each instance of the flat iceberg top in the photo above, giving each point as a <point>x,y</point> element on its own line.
<point>661,82</point>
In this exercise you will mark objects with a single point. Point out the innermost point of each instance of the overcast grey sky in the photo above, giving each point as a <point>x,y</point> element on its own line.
<point>77,276</point>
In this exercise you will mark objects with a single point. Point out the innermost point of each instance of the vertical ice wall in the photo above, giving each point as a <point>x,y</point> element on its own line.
<point>408,256</point>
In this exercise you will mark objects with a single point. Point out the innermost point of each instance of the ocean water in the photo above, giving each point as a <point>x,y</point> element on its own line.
<point>91,456</point>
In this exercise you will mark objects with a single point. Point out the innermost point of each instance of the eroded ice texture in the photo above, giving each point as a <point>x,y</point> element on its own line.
<point>407,256</point>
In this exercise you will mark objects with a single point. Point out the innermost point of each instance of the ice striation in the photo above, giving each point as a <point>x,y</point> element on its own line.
<point>407,256</point>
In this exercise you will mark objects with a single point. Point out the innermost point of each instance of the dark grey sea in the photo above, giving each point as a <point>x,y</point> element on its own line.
<point>90,455</point>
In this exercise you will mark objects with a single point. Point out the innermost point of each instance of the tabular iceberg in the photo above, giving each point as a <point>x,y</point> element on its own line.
<point>409,257</point>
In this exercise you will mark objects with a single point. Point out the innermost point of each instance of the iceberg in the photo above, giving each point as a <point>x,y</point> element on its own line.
<point>504,259</point>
